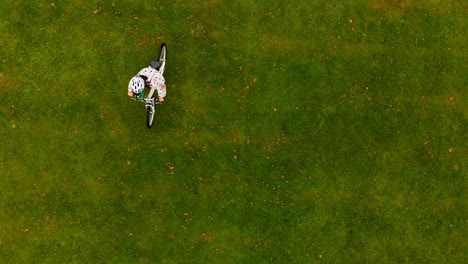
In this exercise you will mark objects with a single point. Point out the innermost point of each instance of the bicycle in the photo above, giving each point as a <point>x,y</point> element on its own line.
<point>150,101</point>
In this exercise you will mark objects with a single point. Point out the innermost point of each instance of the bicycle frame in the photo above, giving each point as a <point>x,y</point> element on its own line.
<point>150,95</point>
<point>149,102</point>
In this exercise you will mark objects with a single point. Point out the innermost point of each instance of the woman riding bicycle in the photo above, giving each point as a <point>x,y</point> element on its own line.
<point>147,77</point>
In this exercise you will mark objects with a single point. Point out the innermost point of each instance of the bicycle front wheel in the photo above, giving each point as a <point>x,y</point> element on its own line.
<point>149,116</point>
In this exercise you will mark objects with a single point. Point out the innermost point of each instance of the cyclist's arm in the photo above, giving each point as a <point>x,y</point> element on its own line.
<point>162,93</point>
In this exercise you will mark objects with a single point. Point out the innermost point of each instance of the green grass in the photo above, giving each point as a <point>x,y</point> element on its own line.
<point>293,132</point>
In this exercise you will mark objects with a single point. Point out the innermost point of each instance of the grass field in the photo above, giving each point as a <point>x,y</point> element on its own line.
<point>292,132</point>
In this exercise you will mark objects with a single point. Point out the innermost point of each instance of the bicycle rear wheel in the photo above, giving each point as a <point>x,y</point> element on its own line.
<point>162,54</point>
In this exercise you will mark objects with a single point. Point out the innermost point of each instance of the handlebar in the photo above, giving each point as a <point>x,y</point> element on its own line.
<point>145,100</point>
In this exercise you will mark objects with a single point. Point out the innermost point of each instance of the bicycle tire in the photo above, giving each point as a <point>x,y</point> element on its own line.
<point>161,58</point>
<point>150,116</point>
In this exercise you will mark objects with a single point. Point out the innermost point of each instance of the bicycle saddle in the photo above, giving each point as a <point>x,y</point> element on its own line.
<point>155,64</point>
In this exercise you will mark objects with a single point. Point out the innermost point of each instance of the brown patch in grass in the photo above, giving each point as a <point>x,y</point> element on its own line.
<point>3,82</point>
<point>206,237</point>
<point>170,166</point>
<point>239,138</point>
<point>119,133</point>
<point>278,42</point>
<point>401,7</point>
<point>392,7</point>
<point>299,49</point>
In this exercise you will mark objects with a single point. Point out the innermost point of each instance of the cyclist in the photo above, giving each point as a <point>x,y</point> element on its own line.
<point>147,77</point>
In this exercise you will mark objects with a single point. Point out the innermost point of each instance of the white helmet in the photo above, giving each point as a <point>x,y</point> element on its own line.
<point>136,84</point>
